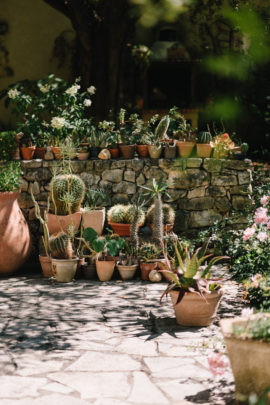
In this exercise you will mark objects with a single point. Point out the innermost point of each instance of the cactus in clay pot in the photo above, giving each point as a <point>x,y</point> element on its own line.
<point>134,211</point>
<point>168,214</point>
<point>204,137</point>
<point>67,193</point>
<point>60,246</point>
<point>116,214</point>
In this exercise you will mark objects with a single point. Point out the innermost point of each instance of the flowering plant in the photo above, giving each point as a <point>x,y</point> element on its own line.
<point>261,226</point>
<point>222,145</point>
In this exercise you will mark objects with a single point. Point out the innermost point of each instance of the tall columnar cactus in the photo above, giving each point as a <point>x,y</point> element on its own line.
<point>137,217</point>
<point>67,193</point>
<point>168,214</point>
<point>162,128</point>
<point>204,137</point>
<point>60,246</point>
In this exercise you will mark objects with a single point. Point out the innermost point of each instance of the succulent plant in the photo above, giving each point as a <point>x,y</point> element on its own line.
<point>67,193</point>
<point>168,214</point>
<point>116,214</point>
<point>60,246</point>
<point>149,251</point>
<point>204,137</point>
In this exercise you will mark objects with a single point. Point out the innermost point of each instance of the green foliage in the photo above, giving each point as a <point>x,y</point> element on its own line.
<point>162,128</point>
<point>107,245</point>
<point>258,293</point>
<point>96,198</point>
<point>148,252</point>
<point>10,175</point>
<point>8,144</point>
<point>257,328</point>
<point>67,193</point>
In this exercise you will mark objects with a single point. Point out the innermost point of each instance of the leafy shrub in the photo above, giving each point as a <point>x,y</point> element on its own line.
<point>10,175</point>
<point>8,144</point>
<point>258,292</point>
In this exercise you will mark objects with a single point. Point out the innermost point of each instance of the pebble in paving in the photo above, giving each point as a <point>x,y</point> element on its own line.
<point>111,343</point>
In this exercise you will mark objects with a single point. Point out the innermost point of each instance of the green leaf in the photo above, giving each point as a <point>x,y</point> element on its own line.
<point>90,235</point>
<point>98,245</point>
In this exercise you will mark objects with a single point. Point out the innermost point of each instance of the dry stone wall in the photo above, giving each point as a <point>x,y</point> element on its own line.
<point>201,191</point>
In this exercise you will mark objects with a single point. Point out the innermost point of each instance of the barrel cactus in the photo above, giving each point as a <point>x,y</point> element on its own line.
<point>168,214</point>
<point>67,193</point>
<point>60,246</point>
<point>116,214</point>
<point>204,137</point>
<point>131,211</point>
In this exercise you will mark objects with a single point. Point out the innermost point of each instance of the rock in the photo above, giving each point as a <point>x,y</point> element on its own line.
<point>184,179</point>
<point>78,166</point>
<point>118,164</point>
<point>129,176</point>
<point>24,185</point>
<point>102,165</point>
<point>31,164</point>
<point>194,162</point>
<point>32,214</point>
<point>89,179</point>
<point>205,218</point>
<point>115,175</point>
<point>40,174</point>
<point>196,204</point>
<point>99,361</point>
<point>174,195</point>
<point>181,221</point>
<point>216,191</point>
<point>124,187</point>
<point>237,164</point>
<point>135,164</point>
<point>35,188</point>
<point>89,165</point>
<point>140,180</point>
<point>49,154</point>
<point>213,165</point>
<point>25,200</point>
<point>243,189</point>
<point>239,203</point>
<point>104,154</point>
<point>229,180</point>
<point>154,173</point>
<point>196,192</point>
<point>245,177</point>
<point>120,199</point>
<point>145,392</point>
<point>222,205</point>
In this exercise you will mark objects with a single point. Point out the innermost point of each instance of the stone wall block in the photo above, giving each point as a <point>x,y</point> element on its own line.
<point>174,195</point>
<point>140,180</point>
<point>118,164</point>
<point>135,164</point>
<point>90,179</point>
<point>89,165</point>
<point>222,205</point>
<point>154,173</point>
<point>237,164</point>
<point>216,191</point>
<point>25,200</point>
<point>115,175</point>
<point>124,188</point>
<point>245,177</point>
<point>194,162</point>
<point>213,165</point>
<point>120,198</point>
<point>35,188</point>
<point>129,176</point>
<point>226,180</point>
<point>240,203</point>
<point>31,164</point>
<point>102,165</point>
<point>189,178</point>
<point>78,166</point>
<point>201,219</point>
<point>181,221</point>
<point>244,189</point>
<point>196,192</point>
<point>196,204</point>
<point>24,185</point>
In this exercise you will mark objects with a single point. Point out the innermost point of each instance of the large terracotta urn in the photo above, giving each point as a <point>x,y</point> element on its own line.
<point>15,240</point>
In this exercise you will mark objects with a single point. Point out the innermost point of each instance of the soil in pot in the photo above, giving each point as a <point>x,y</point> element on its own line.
<point>105,269</point>
<point>127,151</point>
<point>28,153</point>
<point>46,265</point>
<point>40,152</point>
<point>194,310</point>
<point>155,151</point>
<point>185,148</point>
<point>58,223</point>
<point>142,150</point>
<point>64,270</point>
<point>204,150</point>
<point>127,272</point>
<point>94,219</point>
<point>146,268</point>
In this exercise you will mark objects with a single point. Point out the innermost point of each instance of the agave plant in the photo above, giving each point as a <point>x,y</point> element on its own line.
<point>184,271</point>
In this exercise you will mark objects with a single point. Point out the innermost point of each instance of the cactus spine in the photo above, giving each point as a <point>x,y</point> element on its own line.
<point>204,137</point>
<point>60,246</point>
<point>67,193</point>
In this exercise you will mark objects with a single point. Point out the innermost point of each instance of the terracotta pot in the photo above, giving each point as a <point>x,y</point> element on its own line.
<point>155,151</point>
<point>146,268</point>
<point>249,360</point>
<point>46,265</point>
<point>57,152</point>
<point>127,151</point>
<point>122,229</point>
<point>89,271</point>
<point>166,227</point>
<point>170,151</point>
<point>83,155</point>
<point>40,152</point>
<point>15,240</point>
<point>28,153</point>
<point>94,219</point>
<point>105,269</point>
<point>193,310</point>
<point>142,150</point>
<point>185,148</point>
<point>58,223</point>
<point>127,272</point>
<point>114,152</point>
<point>204,150</point>
<point>64,270</point>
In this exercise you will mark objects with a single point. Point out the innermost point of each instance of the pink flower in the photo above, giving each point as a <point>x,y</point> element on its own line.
<point>265,199</point>
<point>260,216</point>
<point>248,233</point>
<point>255,280</point>
<point>268,225</point>
<point>262,236</point>
<point>217,363</point>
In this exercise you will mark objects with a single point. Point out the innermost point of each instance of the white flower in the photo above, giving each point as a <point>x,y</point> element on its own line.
<point>91,90</point>
<point>87,102</point>
<point>246,312</point>
<point>45,124</point>
<point>58,122</point>
<point>45,88</point>
<point>13,93</point>
<point>73,90</point>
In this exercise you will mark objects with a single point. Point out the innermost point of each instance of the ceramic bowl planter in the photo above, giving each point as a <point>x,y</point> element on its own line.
<point>194,310</point>
<point>155,151</point>
<point>204,150</point>
<point>142,150</point>
<point>105,269</point>
<point>28,152</point>
<point>46,265</point>
<point>146,268</point>
<point>58,223</point>
<point>40,152</point>
<point>94,219</point>
<point>64,270</point>
<point>83,155</point>
<point>127,151</point>
<point>185,148</point>
<point>249,358</point>
<point>15,240</point>
<point>127,272</point>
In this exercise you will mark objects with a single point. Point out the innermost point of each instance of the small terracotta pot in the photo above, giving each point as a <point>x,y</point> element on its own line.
<point>83,155</point>
<point>127,272</point>
<point>58,223</point>
<point>166,227</point>
<point>64,270</point>
<point>170,151</point>
<point>204,150</point>
<point>194,310</point>
<point>122,229</point>
<point>40,152</point>
<point>185,148</point>
<point>28,153</point>
<point>127,151</point>
<point>114,152</point>
<point>57,152</point>
<point>155,151</point>
<point>105,269</point>
<point>46,265</point>
<point>146,268</point>
<point>94,219</point>
<point>142,150</point>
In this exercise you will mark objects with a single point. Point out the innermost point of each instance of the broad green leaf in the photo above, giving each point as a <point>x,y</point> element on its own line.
<point>90,235</point>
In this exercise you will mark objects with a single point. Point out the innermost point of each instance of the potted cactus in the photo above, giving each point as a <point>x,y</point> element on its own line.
<point>204,148</point>
<point>155,149</point>
<point>120,218</point>
<point>67,193</point>
<point>168,217</point>
<point>128,262</point>
<point>128,128</point>
<point>94,212</point>
<point>82,152</point>
<point>186,142</point>
<point>148,253</point>
<point>64,264</point>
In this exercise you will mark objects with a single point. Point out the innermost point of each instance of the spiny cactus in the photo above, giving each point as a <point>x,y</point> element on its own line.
<point>116,214</point>
<point>60,246</point>
<point>162,128</point>
<point>204,137</point>
<point>149,251</point>
<point>168,214</point>
<point>131,212</point>
<point>67,193</point>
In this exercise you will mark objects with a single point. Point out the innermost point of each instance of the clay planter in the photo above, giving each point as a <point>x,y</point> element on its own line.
<point>249,360</point>
<point>46,265</point>
<point>28,153</point>
<point>127,272</point>
<point>114,152</point>
<point>122,229</point>
<point>64,270</point>
<point>40,152</point>
<point>185,148</point>
<point>204,150</point>
<point>194,310</point>
<point>170,151</point>
<point>83,155</point>
<point>105,269</point>
<point>142,150</point>
<point>94,219</point>
<point>127,151</point>
<point>146,268</point>
<point>15,240</point>
<point>58,223</point>
<point>57,152</point>
<point>167,228</point>
<point>89,271</point>
<point>155,151</point>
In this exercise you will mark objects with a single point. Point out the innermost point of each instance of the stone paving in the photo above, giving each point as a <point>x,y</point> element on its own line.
<point>111,343</point>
